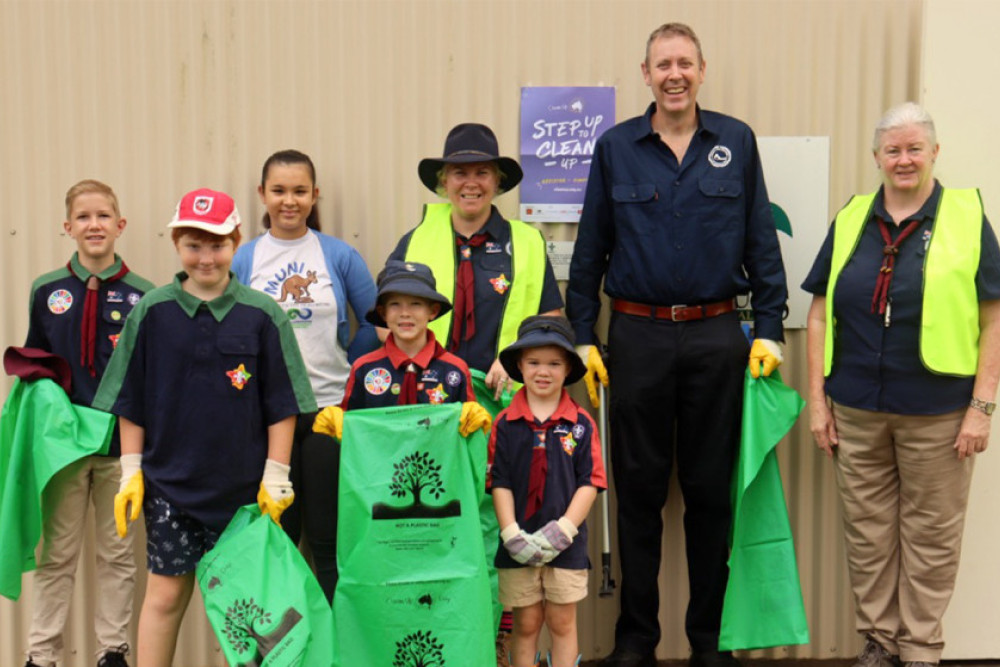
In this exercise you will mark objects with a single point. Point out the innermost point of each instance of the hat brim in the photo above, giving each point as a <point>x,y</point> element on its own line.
<point>224,229</point>
<point>511,173</point>
<point>372,316</point>
<point>511,354</point>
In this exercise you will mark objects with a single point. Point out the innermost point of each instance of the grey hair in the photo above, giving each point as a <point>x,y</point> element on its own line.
<point>901,115</point>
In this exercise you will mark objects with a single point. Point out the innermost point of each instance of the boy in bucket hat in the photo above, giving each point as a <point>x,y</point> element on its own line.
<point>545,472</point>
<point>206,381</point>
<point>411,367</point>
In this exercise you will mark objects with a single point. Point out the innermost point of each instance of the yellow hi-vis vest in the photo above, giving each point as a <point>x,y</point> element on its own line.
<point>949,324</point>
<point>433,243</point>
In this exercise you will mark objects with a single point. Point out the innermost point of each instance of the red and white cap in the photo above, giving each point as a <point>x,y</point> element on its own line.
<point>208,210</point>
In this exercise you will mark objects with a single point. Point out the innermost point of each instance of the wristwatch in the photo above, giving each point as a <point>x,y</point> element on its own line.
<point>986,407</point>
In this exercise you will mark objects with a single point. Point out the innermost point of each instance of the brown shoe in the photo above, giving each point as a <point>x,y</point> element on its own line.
<point>503,648</point>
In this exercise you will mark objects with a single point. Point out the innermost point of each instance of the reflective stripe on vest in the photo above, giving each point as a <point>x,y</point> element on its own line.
<point>949,326</point>
<point>433,243</point>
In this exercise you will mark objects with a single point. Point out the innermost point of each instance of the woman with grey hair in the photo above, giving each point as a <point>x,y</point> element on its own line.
<point>904,358</point>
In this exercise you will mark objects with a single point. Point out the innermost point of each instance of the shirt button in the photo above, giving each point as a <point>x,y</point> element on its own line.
<point>679,246</point>
<point>677,214</point>
<point>677,182</point>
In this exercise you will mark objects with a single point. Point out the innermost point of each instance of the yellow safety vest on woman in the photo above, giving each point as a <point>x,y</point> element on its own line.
<point>433,243</point>
<point>949,324</point>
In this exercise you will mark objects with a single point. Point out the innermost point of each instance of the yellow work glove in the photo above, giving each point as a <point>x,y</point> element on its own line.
<point>595,371</point>
<point>764,352</point>
<point>474,416</point>
<point>275,494</point>
<point>330,421</point>
<point>131,490</point>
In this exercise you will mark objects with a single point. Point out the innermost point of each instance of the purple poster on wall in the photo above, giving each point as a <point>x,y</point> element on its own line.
<point>559,127</point>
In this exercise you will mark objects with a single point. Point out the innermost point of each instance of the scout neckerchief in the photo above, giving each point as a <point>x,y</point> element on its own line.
<point>880,297</point>
<point>88,325</point>
<point>465,290</point>
<point>411,367</point>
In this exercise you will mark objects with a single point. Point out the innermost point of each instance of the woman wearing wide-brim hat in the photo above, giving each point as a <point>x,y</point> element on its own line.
<point>495,271</point>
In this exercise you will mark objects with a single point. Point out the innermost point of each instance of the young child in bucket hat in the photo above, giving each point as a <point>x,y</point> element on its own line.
<point>207,381</point>
<point>545,472</point>
<point>411,367</point>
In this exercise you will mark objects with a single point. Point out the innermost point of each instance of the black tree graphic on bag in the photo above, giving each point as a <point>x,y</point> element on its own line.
<point>420,649</point>
<point>245,621</point>
<point>414,475</point>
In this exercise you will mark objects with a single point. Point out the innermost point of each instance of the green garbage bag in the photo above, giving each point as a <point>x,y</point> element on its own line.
<point>41,433</point>
<point>413,589</point>
<point>264,604</point>
<point>763,604</point>
<point>487,515</point>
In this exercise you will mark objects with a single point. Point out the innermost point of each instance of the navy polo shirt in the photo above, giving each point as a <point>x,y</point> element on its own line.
<point>573,458</point>
<point>377,378</point>
<point>205,380</point>
<point>493,271</point>
<point>56,317</point>
<point>877,367</point>
<point>668,234</point>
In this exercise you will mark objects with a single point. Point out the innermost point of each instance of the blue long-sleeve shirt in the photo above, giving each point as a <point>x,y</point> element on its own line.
<point>663,233</point>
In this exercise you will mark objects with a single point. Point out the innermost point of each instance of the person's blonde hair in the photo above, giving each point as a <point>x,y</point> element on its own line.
<point>902,115</point>
<point>88,186</point>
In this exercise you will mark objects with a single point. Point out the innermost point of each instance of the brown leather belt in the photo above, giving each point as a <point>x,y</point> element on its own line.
<point>682,313</point>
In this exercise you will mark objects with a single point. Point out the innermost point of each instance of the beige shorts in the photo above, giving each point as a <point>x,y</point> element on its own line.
<point>525,586</point>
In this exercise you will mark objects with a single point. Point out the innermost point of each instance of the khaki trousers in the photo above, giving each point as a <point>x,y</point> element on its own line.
<point>64,508</point>
<point>904,494</point>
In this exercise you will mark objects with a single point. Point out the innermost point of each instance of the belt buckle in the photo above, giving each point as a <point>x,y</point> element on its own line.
<point>674,317</point>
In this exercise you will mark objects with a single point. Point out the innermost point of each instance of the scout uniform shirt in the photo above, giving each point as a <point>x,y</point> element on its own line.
<point>205,380</point>
<point>377,378</point>
<point>572,452</point>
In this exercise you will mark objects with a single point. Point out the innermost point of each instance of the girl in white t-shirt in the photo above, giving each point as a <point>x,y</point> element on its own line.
<point>314,277</point>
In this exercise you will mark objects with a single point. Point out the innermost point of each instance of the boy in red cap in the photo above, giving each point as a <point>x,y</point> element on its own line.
<point>77,312</point>
<point>206,381</point>
<point>545,472</point>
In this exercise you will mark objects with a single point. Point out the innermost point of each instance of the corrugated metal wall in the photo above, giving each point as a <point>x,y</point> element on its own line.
<point>158,97</point>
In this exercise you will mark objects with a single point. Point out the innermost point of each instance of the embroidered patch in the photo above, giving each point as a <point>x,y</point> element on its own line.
<point>560,430</point>
<point>239,376</point>
<point>114,296</point>
<point>60,301</point>
<point>429,375</point>
<point>133,298</point>
<point>114,340</point>
<point>720,156</point>
<point>116,315</point>
<point>492,247</point>
<point>377,381</point>
<point>466,252</point>
<point>578,431</point>
<point>394,389</point>
<point>203,205</point>
<point>437,395</point>
<point>454,378</point>
<point>568,443</point>
<point>500,284</point>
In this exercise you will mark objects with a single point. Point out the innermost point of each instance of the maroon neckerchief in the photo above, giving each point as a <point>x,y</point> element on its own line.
<point>411,367</point>
<point>880,297</point>
<point>88,325</point>
<point>465,290</point>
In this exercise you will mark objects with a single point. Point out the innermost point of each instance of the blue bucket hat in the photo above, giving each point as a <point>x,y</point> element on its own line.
<point>411,279</point>
<point>540,331</point>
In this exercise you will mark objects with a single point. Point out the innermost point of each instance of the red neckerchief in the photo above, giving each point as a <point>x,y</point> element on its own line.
<point>412,366</point>
<point>88,325</point>
<point>465,282</point>
<point>880,296</point>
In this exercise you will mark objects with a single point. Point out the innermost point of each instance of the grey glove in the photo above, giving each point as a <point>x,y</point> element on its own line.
<point>555,537</point>
<point>521,546</point>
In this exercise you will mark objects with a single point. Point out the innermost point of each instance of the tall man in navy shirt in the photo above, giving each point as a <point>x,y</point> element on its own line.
<point>677,221</point>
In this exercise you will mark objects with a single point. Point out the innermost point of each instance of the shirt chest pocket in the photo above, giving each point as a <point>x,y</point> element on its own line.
<point>724,203</point>
<point>635,206</point>
<point>242,345</point>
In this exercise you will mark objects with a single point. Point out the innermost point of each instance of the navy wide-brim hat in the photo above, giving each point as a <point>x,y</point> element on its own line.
<point>540,331</point>
<point>470,142</point>
<point>411,279</point>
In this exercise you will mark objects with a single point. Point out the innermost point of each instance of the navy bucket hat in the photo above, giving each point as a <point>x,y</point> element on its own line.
<point>466,143</point>
<point>411,279</point>
<point>540,331</point>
